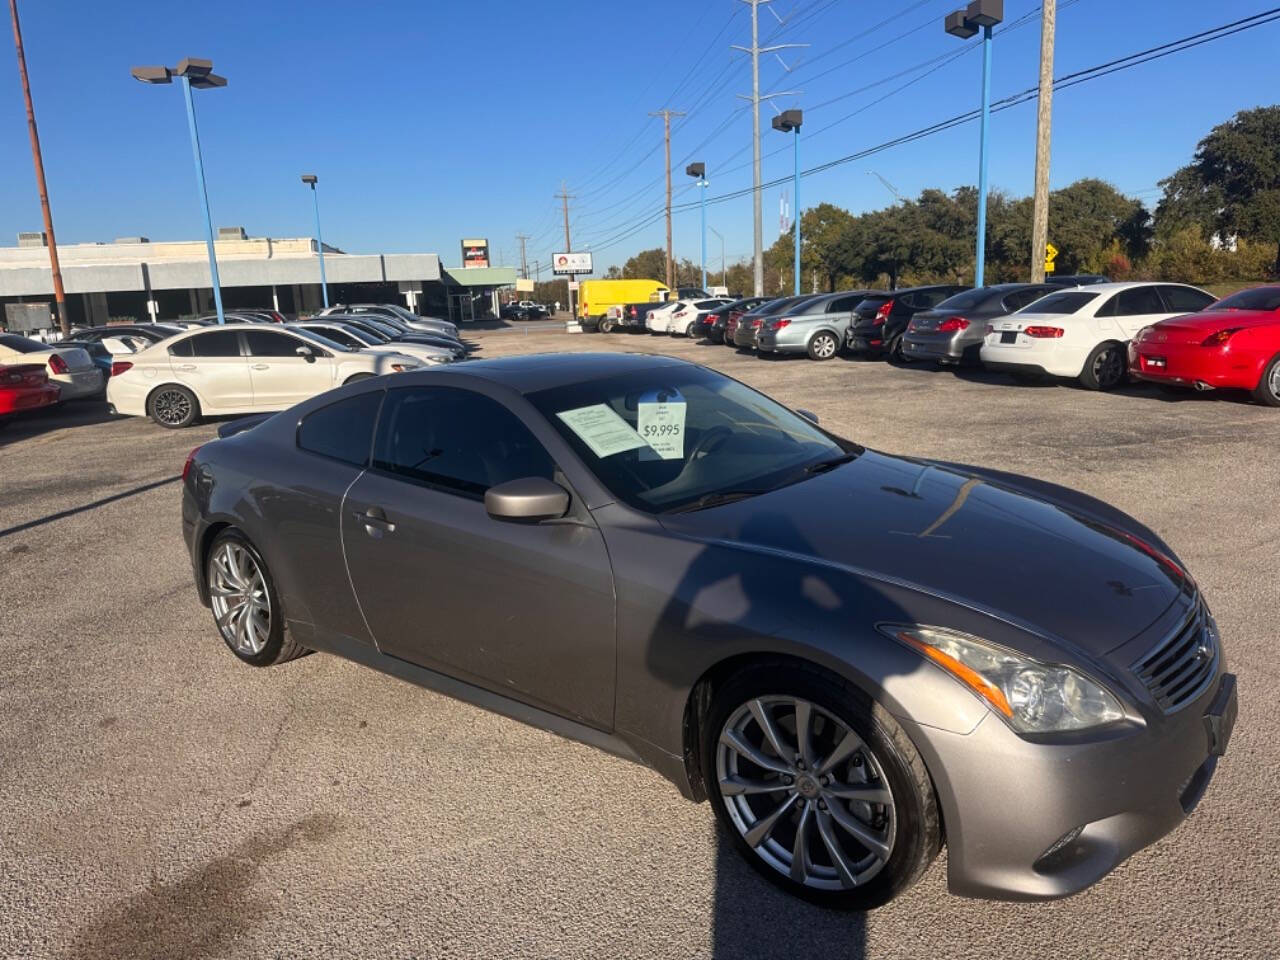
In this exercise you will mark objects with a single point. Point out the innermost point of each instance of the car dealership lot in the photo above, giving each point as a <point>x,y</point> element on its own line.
<point>159,799</point>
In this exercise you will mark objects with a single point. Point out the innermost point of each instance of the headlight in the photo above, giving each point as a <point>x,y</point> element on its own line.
<point>403,367</point>
<point>438,358</point>
<point>1033,697</point>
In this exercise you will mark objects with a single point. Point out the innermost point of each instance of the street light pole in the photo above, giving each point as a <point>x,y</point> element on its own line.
<point>699,170</point>
<point>983,14</point>
<point>724,277</point>
<point>789,121</point>
<point>194,73</point>
<point>311,179</point>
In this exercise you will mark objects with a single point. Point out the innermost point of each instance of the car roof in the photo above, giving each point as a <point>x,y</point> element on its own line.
<point>531,373</point>
<point>1112,286</point>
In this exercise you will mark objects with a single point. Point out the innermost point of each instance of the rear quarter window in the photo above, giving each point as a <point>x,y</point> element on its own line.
<point>342,431</point>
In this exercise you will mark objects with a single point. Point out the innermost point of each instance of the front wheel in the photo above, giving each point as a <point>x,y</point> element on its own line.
<point>173,407</point>
<point>820,789</point>
<point>246,607</point>
<point>1105,367</point>
<point>1267,392</point>
<point>606,326</point>
<point>823,346</point>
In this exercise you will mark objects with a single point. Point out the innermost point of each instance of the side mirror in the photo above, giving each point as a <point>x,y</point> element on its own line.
<point>306,353</point>
<point>808,415</point>
<point>527,500</point>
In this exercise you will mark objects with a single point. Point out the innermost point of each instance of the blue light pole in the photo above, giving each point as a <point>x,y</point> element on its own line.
<point>198,74</point>
<point>699,170</point>
<point>311,179</point>
<point>789,122</point>
<point>964,24</point>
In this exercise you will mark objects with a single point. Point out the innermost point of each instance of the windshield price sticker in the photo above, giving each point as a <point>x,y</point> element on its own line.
<point>661,426</point>
<point>603,430</point>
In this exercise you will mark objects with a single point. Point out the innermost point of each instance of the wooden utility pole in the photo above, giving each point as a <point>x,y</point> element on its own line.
<point>59,294</point>
<point>565,196</point>
<point>666,116</point>
<point>1044,122</point>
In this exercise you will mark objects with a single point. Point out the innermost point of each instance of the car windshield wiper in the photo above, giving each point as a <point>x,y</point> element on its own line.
<point>715,499</point>
<point>822,466</point>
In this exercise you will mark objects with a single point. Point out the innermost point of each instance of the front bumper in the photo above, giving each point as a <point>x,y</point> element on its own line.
<point>1007,800</point>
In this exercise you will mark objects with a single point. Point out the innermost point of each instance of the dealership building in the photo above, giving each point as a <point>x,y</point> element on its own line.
<point>134,279</point>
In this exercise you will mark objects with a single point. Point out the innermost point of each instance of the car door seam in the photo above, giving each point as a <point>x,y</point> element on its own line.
<point>346,564</point>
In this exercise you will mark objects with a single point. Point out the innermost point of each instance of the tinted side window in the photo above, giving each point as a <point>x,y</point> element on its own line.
<point>1138,301</point>
<point>342,430</point>
<point>455,439</point>
<point>1185,300</point>
<point>216,343</point>
<point>268,343</point>
<point>843,304</point>
<point>341,337</point>
<point>1020,298</point>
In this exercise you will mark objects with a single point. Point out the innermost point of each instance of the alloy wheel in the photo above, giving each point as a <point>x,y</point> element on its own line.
<point>172,407</point>
<point>1108,368</point>
<point>806,793</point>
<point>241,605</point>
<point>824,347</point>
<point>1273,384</point>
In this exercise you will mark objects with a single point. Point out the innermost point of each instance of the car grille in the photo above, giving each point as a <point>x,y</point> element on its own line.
<point>1182,664</point>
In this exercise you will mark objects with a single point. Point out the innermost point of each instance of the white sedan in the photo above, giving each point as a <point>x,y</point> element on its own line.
<point>237,369</point>
<point>1083,332</point>
<point>358,339</point>
<point>658,320</point>
<point>71,368</point>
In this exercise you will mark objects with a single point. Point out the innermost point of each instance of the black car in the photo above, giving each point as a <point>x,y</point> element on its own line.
<point>390,332</point>
<point>151,332</point>
<point>711,325</point>
<point>1077,279</point>
<point>880,321</point>
<point>534,312</point>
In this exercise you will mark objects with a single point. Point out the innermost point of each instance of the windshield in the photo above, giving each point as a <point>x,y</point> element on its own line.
<point>20,344</point>
<point>965,301</point>
<point>1259,298</point>
<point>1060,302</point>
<point>324,341</point>
<point>671,437</point>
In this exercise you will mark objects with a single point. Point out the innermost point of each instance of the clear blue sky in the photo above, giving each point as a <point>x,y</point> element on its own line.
<point>428,121</point>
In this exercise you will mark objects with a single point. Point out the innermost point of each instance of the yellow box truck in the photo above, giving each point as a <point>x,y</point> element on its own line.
<point>595,297</point>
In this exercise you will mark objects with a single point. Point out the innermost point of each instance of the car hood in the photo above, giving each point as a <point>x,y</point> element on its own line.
<point>1055,570</point>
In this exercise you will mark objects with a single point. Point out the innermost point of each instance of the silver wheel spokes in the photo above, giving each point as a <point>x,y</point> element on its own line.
<point>825,347</point>
<point>806,793</point>
<point>1275,381</point>
<point>238,592</point>
<point>172,406</point>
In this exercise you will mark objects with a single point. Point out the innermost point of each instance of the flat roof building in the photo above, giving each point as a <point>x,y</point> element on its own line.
<point>132,278</point>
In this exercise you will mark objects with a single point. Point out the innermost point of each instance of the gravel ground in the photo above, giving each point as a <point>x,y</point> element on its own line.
<point>160,800</point>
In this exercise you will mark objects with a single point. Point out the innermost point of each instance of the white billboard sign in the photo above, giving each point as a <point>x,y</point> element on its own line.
<point>571,263</point>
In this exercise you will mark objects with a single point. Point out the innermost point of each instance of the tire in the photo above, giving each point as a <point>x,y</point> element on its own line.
<point>1105,368</point>
<point>356,378</point>
<point>688,331</point>
<point>894,352</point>
<point>606,326</point>
<point>823,345</point>
<point>902,823</point>
<point>234,567</point>
<point>1267,392</point>
<point>173,406</point>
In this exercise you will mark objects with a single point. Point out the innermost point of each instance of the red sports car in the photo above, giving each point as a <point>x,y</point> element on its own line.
<point>1234,343</point>
<point>25,386</point>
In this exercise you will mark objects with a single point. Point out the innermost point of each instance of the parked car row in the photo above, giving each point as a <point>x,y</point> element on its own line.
<point>1099,333</point>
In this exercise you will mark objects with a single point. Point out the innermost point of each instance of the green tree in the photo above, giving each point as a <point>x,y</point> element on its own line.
<point>646,265</point>
<point>1232,185</point>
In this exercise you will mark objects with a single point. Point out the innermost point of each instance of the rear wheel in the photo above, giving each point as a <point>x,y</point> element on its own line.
<point>819,787</point>
<point>246,607</point>
<point>823,346</point>
<point>688,331</point>
<point>173,406</point>
<point>1268,389</point>
<point>1105,367</point>
<point>895,352</point>
<point>606,325</point>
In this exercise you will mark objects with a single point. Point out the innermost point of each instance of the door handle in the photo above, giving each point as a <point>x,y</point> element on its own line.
<point>375,522</point>
<point>261,366</point>
<point>186,366</point>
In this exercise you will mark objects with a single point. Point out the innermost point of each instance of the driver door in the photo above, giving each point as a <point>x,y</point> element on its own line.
<point>524,609</point>
<point>279,375</point>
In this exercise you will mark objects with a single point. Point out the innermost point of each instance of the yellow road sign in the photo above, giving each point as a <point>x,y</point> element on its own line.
<point>1050,252</point>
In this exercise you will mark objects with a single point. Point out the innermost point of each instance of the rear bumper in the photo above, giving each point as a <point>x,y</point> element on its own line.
<point>83,383</point>
<point>744,341</point>
<point>864,343</point>
<point>771,343</point>
<point>1007,801</point>
<point>28,398</point>
<point>942,348</point>
<point>1185,366</point>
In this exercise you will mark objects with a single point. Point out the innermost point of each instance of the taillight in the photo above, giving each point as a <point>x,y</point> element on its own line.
<point>1220,337</point>
<point>755,323</point>
<point>779,324</point>
<point>882,314</point>
<point>186,466</point>
<point>1044,333</point>
<point>634,311</point>
<point>57,364</point>
<point>120,366</point>
<point>952,324</point>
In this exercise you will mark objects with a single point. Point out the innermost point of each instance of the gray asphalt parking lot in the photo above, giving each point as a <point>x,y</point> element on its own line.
<point>158,799</point>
